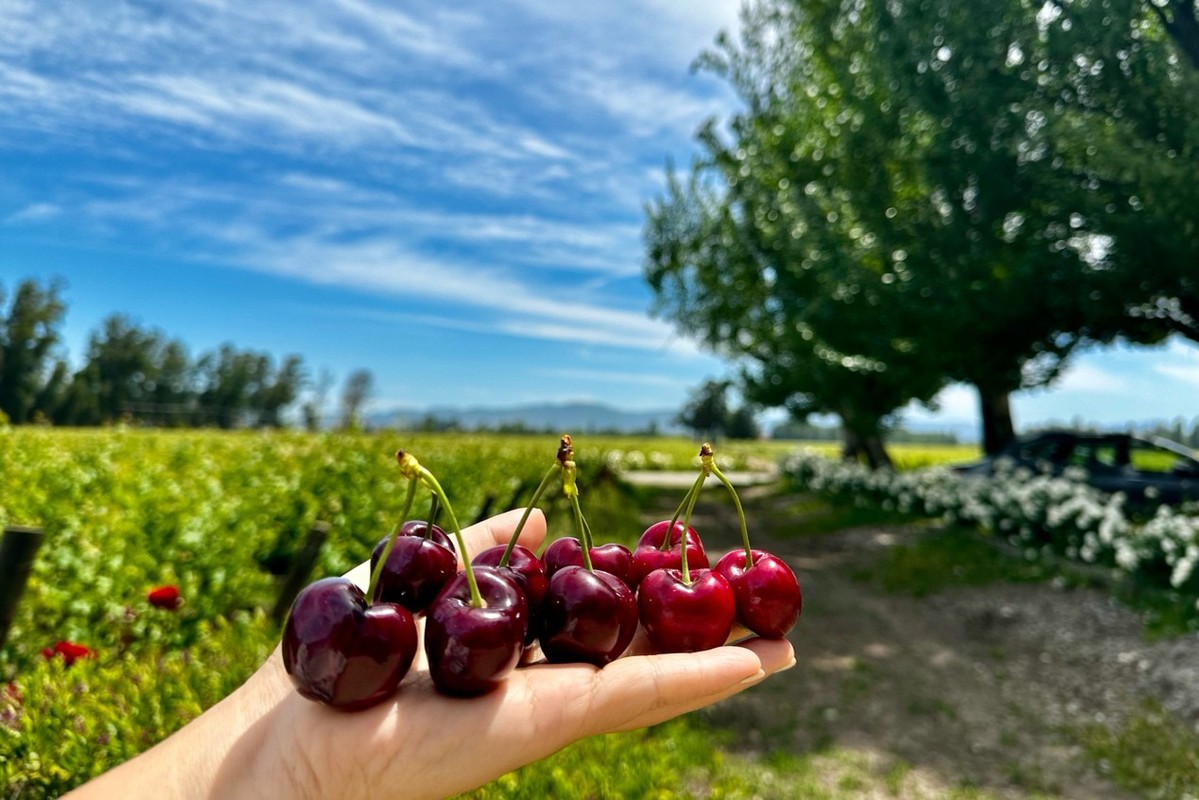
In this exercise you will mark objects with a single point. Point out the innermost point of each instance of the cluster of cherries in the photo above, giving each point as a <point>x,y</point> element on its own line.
<point>579,602</point>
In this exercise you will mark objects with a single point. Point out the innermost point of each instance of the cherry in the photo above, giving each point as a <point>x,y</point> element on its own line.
<point>613,558</point>
<point>423,529</point>
<point>590,616</point>
<point>471,648</point>
<point>652,553</point>
<point>342,652</point>
<point>523,566</point>
<point>416,570</point>
<point>683,613</point>
<point>767,594</point>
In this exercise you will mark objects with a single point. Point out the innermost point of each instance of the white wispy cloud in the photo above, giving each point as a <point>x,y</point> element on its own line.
<point>1088,378</point>
<point>36,212</point>
<point>1179,361</point>
<point>478,156</point>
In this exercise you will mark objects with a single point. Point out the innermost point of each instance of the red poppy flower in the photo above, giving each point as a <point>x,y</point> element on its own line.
<point>69,652</point>
<point>165,597</point>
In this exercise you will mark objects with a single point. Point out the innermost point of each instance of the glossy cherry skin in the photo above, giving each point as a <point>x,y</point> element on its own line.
<point>417,570</point>
<point>767,594</point>
<point>648,555</point>
<point>342,652</point>
<point>419,527</point>
<point>526,569</point>
<point>471,650</point>
<point>682,618</point>
<point>613,558</point>
<point>590,617</point>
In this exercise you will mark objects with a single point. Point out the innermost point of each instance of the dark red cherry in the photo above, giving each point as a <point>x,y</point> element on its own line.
<point>767,594</point>
<point>613,558</point>
<point>649,555</point>
<point>342,652</point>
<point>419,527</point>
<point>471,650</point>
<point>416,571</point>
<point>682,618</point>
<point>526,569</point>
<point>589,617</point>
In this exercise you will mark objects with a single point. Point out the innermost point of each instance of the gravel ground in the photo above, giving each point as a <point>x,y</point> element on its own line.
<point>971,687</point>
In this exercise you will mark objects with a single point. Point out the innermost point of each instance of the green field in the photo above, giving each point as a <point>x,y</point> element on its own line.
<point>217,514</point>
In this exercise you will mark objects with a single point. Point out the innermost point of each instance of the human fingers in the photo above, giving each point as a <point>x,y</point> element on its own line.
<point>637,691</point>
<point>499,529</point>
<point>646,690</point>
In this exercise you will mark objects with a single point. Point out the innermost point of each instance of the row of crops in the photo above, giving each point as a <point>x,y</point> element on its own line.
<point>95,668</point>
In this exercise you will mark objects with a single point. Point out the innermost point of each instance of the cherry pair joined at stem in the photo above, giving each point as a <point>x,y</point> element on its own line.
<point>685,609</point>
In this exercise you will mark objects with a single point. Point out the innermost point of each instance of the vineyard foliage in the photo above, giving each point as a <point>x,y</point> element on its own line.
<point>219,515</point>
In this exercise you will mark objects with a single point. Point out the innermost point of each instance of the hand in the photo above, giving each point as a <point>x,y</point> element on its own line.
<point>266,740</point>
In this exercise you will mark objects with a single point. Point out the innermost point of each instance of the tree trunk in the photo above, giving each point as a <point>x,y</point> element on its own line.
<point>851,445</point>
<point>996,412</point>
<point>876,452</point>
<point>863,440</point>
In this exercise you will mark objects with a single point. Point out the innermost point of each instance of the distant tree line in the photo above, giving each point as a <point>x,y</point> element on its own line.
<point>919,193</point>
<point>137,374</point>
<point>708,414</point>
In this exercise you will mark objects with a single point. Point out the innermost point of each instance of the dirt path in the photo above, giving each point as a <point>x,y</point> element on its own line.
<point>969,688</point>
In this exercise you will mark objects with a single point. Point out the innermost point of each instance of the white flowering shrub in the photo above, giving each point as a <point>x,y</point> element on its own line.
<point>1036,512</point>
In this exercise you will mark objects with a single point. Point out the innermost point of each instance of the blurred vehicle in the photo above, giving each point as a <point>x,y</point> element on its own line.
<point>1150,471</point>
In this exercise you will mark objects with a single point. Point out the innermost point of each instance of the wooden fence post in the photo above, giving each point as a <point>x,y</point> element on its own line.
<point>301,566</point>
<point>17,550</point>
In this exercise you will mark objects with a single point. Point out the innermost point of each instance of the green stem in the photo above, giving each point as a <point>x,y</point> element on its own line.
<point>570,488</point>
<point>377,572</point>
<point>590,535</point>
<point>688,501</point>
<point>749,555</point>
<point>541,487</point>
<point>476,599</point>
<point>686,527</point>
<point>434,507</point>
<point>581,526</point>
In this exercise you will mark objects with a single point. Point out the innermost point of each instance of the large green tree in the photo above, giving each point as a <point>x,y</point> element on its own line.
<point>1128,121</point>
<point>899,184</point>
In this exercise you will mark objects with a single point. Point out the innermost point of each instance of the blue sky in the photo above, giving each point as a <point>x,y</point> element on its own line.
<point>449,195</point>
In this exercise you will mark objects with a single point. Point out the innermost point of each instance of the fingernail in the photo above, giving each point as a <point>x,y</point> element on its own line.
<point>787,666</point>
<point>752,679</point>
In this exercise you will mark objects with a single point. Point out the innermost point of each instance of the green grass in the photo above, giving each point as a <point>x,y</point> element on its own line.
<point>812,515</point>
<point>685,759</point>
<point>1151,753</point>
<point>951,557</point>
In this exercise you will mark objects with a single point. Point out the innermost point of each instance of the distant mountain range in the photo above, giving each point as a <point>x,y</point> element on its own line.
<point>555,418</point>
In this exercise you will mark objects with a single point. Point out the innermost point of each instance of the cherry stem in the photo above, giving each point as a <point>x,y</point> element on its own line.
<point>434,507</point>
<point>686,527</point>
<point>412,468</point>
<point>749,553</point>
<point>678,512</point>
<point>377,572</point>
<point>570,488</point>
<point>545,482</point>
<point>584,538</point>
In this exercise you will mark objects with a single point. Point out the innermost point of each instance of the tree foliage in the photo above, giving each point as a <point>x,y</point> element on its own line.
<point>28,335</point>
<point>913,195</point>
<point>708,414</point>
